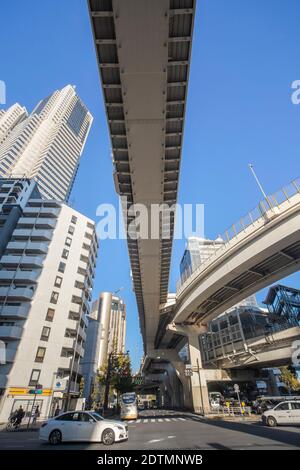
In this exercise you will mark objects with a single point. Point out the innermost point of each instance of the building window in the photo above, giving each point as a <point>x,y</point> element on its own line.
<point>50,314</point>
<point>68,241</point>
<point>54,297</point>
<point>58,281</point>
<point>40,354</point>
<point>90,225</point>
<point>61,267</point>
<point>71,230</point>
<point>45,333</point>
<point>74,219</point>
<point>65,253</point>
<point>34,378</point>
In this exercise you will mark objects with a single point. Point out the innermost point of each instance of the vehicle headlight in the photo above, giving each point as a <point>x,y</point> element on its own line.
<point>121,428</point>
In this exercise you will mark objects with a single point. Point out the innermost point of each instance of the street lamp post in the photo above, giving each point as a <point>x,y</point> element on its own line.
<point>259,185</point>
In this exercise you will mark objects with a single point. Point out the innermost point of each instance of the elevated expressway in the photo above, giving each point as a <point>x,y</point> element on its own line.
<point>257,255</point>
<point>261,249</point>
<point>143,50</point>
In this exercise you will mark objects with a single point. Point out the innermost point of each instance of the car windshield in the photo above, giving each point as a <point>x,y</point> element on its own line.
<point>97,416</point>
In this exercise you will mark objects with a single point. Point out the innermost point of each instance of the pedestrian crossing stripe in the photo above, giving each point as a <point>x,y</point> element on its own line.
<point>155,420</point>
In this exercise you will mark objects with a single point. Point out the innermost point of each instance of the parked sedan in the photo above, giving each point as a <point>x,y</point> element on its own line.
<point>287,412</point>
<point>83,426</point>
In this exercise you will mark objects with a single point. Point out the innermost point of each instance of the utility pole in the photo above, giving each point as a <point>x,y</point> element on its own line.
<point>259,185</point>
<point>200,385</point>
<point>107,382</point>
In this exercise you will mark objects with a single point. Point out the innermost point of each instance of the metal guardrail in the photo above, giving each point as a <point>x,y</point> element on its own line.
<point>260,212</point>
<point>233,410</point>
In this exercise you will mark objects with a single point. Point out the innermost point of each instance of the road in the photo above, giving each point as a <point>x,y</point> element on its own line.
<point>158,429</point>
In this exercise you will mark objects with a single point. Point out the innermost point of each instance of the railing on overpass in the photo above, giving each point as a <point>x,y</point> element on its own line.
<point>229,334</point>
<point>260,212</point>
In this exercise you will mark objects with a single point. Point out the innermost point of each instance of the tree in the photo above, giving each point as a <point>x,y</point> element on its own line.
<point>290,379</point>
<point>81,387</point>
<point>121,373</point>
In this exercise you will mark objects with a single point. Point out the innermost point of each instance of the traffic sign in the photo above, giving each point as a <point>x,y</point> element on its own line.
<point>188,372</point>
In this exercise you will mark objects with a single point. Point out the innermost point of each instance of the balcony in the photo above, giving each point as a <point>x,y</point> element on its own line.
<point>16,293</point>
<point>65,363</point>
<point>18,275</point>
<point>22,261</point>
<point>34,247</point>
<point>10,332</point>
<point>37,222</point>
<point>69,343</point>
<point>3,380</point>
<point>79,350</point>
<point>82,333</point>
<point>12,311</point>
<point>74,388</point>
<point>76,308</point>
<point>42,211</point>
<point>10,355</point>
<point>35,234</point>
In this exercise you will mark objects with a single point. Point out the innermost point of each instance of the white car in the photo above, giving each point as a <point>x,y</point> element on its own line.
<point>286,412</point>
<point>82,426</point>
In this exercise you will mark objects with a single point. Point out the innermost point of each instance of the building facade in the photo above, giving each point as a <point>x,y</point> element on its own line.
<point>10,118</point>
<point>197,251</point>
<point>106,334</point>
<point>47,144</point>
<point>47,266</point>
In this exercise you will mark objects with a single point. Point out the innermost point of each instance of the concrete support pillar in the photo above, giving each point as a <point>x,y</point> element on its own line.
<point>172,357</point>
<point>198,380</point>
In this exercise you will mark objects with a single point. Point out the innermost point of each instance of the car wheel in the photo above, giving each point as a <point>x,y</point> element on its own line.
<point>55,437</point>
<point>108,437</point>
<point>271,421</point>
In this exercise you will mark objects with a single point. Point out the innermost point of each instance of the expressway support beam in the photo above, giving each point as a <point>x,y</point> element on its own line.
<point>199,390</point>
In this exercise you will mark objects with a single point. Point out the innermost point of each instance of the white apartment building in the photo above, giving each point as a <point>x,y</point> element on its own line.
<point>46,145</point>
<point>47,267</point>
<point>10,118</point>
<point>106,334</point>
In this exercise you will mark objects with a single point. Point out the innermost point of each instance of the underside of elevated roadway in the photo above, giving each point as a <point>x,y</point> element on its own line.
<point>143,50</point>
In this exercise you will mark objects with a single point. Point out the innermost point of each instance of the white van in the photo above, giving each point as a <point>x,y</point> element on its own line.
<point>286,412</point>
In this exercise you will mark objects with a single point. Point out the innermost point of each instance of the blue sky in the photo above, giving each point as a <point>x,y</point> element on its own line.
<point>245,57</point>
